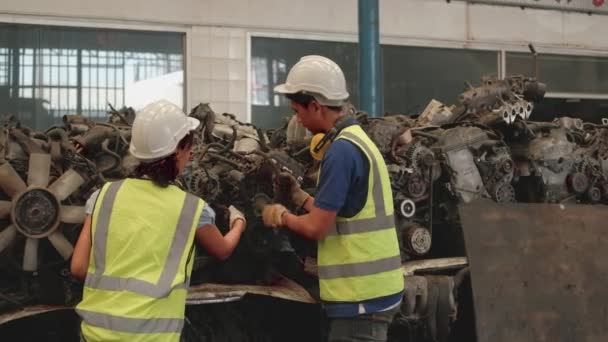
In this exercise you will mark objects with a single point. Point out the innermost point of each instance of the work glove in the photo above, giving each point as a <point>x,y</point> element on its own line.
<point>235,214</point>
<point>297,195</point>
<point>272,214</point>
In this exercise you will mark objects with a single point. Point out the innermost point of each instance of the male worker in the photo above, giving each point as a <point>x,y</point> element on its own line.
<point>351,217</point>
<point>136,246</point>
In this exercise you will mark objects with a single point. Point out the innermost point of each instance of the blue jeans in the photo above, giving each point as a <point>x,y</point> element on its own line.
<point>368,327</point>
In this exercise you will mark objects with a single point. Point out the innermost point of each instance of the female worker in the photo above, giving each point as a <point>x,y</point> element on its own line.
<point>135,251</point>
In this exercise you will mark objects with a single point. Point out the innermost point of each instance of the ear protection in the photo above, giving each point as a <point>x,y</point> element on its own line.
<point>320,142</point>
<point>317,147</point>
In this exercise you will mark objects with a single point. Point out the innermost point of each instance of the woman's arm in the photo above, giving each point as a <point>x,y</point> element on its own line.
<point>82,251</point>
<point>216,244</point>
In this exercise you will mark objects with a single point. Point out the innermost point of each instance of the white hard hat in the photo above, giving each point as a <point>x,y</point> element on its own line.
<point>317,76</point>
<point>157,130</point>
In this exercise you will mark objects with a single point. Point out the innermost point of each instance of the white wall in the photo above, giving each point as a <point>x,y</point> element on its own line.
<point>218,30</point>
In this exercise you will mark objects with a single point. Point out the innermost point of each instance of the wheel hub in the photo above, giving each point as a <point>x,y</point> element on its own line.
<point>35,212</point>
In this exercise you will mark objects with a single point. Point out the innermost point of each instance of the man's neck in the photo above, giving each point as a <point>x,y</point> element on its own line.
<point>333,118</point>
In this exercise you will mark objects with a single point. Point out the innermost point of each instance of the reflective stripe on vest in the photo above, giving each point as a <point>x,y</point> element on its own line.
<point>360,269</point>
<point>132,325</point>
<point>100,281</point>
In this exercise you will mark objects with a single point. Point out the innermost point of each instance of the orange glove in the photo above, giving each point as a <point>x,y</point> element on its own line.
<point>272,214</point>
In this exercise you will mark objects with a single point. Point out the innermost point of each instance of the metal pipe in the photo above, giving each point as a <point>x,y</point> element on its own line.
<point>535,57</point>
<point>370,71</point>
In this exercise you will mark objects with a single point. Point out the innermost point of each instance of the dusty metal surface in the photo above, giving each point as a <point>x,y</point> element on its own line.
<point>411,267</point>
<point>283,288</point>
<point>30,311</point>
<point>484,146</point>
<point>539,271</point>
<point>214,293</point>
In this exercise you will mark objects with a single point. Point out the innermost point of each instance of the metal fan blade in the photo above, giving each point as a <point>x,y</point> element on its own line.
<point>66,184</point>
<point>38,170</point>
<point>10,181</point>
<point>61,244</point>
<point>72,214</point>
<point>7,236</point>
<point>30,255</point>
<point>5,209</point>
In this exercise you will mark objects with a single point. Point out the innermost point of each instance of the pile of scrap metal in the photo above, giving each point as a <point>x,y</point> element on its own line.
<point>483,147</point>
<point>233,164</point>
<point>45,179</point>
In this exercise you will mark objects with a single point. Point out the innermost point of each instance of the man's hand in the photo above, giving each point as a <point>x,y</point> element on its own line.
<point>235,214</point>
<point>272,214</point>
<point>298,196</point>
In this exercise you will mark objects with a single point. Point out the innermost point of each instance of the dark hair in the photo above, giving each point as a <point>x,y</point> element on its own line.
<point>164,171</point>
<point>300,98</point>
<point>304,99</point>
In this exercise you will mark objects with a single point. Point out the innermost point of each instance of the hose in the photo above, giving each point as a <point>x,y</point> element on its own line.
<point>223,159</point>
<point>426,135</point>
<point>117,159</point>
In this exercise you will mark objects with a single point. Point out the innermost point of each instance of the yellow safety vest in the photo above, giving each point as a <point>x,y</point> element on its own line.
<point>140,262</point>
<point>359,258</point>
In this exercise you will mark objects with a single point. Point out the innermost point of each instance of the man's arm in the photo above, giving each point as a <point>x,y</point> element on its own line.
<point>314,225</point>
<point>333,189</point>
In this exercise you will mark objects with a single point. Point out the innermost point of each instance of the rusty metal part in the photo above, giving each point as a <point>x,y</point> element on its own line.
<point>594,194</point>
<point>455,144</point>
<point>416,297</point>
<point>384,133</point>
<point>25,142</point>
<point>429,299</point>
<point>578,182</point>
<point>417,240</point>
<point>538,271</point>
<point>416,186</point>
<point>503,193</point>
<point>435,113</point>
<point>486,96</point>
<point>36,211</point>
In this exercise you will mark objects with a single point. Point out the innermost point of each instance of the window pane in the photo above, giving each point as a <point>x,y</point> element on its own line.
<point>56,64</point>
<point>415,75</point>
<point>568,74</point>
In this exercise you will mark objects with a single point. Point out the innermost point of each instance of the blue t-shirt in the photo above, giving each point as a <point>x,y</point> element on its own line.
<point>343,188</point>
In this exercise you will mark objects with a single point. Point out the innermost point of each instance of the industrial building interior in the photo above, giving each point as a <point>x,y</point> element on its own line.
<point>492,116</point>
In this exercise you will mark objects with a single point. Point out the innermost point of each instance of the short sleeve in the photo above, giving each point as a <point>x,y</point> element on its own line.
<point>343,181</point>
<point>207,216</point>
<point>90,204</point>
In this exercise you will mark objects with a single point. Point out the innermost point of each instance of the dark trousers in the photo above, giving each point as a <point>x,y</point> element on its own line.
<point>368,327</point>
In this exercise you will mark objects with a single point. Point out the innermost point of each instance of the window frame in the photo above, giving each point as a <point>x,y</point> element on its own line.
<point>502,48</point>
<point>118,26</point>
